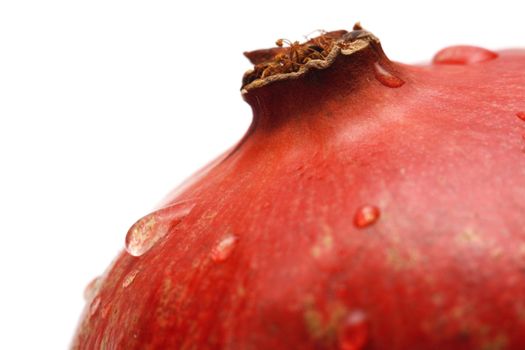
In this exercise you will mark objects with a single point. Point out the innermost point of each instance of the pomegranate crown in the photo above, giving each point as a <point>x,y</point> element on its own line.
<point>290,60</point>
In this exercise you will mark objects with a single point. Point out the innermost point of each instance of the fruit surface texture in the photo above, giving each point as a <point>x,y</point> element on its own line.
<point>371,205</point>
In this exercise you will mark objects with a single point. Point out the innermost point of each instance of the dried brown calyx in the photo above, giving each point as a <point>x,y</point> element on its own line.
<point>291,59</point>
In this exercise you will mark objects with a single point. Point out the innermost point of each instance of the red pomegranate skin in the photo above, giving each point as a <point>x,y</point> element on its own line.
<point>353,215</point>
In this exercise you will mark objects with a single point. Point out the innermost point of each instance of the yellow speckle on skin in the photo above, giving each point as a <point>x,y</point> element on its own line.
<point>209,214</point>
<point>314,322</point>
<point>402,260</point>
<point>469,236</point>
<point>394,259</point>
<point>520,311</point>
<point>323,245</point>
<point>496,252</point>
<point>459,311</point>
<point>323,325</point>
<point>324,242</point>
<point>465,313</point>
<point>521,252</point>
<point>499,342</point>
<point>167,296</point>
<point>437,299</point>
<point>241,291</point>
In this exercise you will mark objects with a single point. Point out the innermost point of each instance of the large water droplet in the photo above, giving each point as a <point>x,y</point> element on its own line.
<point>130,277</point>
<point>147,231</point>
<point>224,248</point>
<point>92,288</point>
<point>366,216</point>
<point>521,115</point>
<point>463,55</point>
<point>386,78</point>
<point>354,332</point>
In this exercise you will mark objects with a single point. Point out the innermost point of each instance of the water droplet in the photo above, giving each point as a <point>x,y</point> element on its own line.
<point>463,55</point>
<point>224,248</point>
<point>92,288</point>
<point>147,231</point>
<point>94,306</point>
<point>386,78</point>
<point>354,332</point>
<point>366,216</point>
<point>130,277</point>
<point>521,115</point>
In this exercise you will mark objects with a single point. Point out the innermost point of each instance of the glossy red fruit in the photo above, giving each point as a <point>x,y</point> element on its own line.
<point>371,205</point>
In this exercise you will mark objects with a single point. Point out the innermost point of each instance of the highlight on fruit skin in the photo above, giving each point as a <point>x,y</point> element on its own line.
<point>371,205</point>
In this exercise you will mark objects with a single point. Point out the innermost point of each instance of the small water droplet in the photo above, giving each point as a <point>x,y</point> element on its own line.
<point>463,55</point>
<point>521,115</point>
<point>366,216</point>
<point>143,235</point>
<point>224,248</point>
<point>92,288</point>
<point>130,277</point>
<point>94,306</point>
<point>354,332</point>
<point>386,78</point>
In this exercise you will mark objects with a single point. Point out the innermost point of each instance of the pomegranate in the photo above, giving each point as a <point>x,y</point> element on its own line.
<point>371,205</point>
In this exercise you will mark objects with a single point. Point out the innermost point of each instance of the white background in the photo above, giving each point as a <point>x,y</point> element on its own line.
<point>107,105</point>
